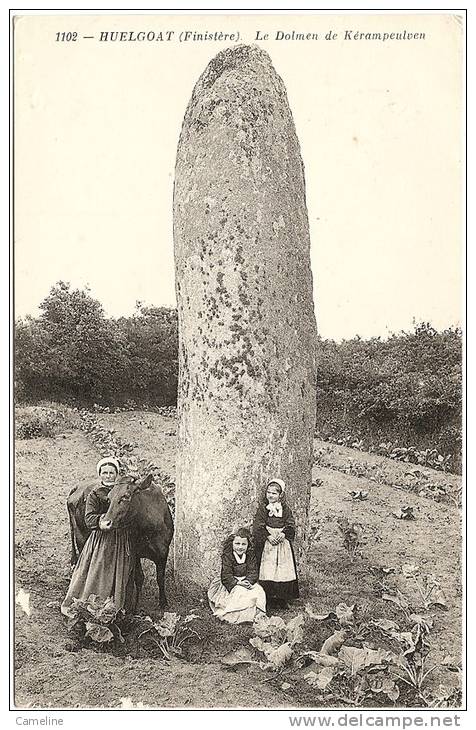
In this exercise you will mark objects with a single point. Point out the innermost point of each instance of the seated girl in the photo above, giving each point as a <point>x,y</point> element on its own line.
<point>237,597</point>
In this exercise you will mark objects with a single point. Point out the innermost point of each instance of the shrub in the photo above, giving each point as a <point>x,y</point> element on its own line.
<point>73,353</point>
<point>33,427</point>
<point>44,421</point>
<point>407,389</point>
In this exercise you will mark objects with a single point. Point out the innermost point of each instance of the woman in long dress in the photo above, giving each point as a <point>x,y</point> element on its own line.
<point>106,567</point>
<point>237,597</point>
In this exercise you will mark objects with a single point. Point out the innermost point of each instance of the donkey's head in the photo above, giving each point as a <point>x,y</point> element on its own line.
<point>120,500</point>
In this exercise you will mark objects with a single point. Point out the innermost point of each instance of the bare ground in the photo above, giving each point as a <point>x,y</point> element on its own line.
<point>51,671</point>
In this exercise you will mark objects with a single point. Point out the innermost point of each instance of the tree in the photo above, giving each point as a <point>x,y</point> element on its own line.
<point>71,351</point>
<point>151,338</point>
<point>31,355</point>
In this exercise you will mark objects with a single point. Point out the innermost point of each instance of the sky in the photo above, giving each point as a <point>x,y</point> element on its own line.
<point>379,124</point>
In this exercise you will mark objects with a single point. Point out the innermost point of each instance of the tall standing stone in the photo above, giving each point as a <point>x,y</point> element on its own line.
<point>247,368</point>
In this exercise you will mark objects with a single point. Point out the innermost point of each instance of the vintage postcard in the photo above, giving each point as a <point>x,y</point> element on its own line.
<point>238,291</point>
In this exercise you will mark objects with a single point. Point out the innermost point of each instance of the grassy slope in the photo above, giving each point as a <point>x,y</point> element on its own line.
<point>50,675</point>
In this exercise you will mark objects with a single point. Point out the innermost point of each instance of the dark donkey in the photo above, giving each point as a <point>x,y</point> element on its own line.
<point>144,508</point>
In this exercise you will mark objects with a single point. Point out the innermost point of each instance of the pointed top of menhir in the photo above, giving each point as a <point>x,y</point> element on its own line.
<point>237,58</point>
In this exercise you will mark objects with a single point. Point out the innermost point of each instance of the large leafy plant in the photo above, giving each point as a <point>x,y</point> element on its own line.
<point>277,639</point>
<point>100,618</point>
<point>273,639</point>
<point>351,536</point>
<point>170,632</point>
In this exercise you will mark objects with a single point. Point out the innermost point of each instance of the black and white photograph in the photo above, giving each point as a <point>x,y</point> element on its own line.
<point>238,476</point>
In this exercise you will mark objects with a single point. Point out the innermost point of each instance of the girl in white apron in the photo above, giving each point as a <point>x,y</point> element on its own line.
<point>237,597</point>
<point>273,532</point>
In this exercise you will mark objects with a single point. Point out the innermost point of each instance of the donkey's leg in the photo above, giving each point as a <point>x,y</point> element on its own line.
<point>139,581</point>
<point>160,553</point>
<point>160,573</point>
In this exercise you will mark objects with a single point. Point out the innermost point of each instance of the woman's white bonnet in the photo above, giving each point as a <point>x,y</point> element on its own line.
<point>109,461</point>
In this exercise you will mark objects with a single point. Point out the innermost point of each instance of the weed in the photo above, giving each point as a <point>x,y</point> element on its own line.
<point>100,618</point>
<point>352,536</point>
<point>170,632</point>
<point>44,421</point>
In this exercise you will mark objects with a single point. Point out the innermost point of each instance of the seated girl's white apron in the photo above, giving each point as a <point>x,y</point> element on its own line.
<point>277,563</point>
<point>238,606</point>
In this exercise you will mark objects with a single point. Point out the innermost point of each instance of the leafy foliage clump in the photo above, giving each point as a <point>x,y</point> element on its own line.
<point>73,353</point>
<point>33,427</point>
<point>44,421</point>
<point>276,639</point>
<point>351,535</point>
<point>100,618</point>
<point>170,633</point>
<point>403,390</point>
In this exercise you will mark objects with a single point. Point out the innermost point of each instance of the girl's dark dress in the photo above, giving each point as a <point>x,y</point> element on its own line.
<point>231,570</point>
<point>231,601</point>
<point>106,567</point>
<point>277,591</point>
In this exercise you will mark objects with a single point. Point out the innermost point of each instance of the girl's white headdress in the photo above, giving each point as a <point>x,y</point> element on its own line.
<point>279,482</point>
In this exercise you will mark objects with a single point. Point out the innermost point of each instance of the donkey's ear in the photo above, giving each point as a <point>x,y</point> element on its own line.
<point>126,479</point>
<point>147,481</point>
<point>144,484</point>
